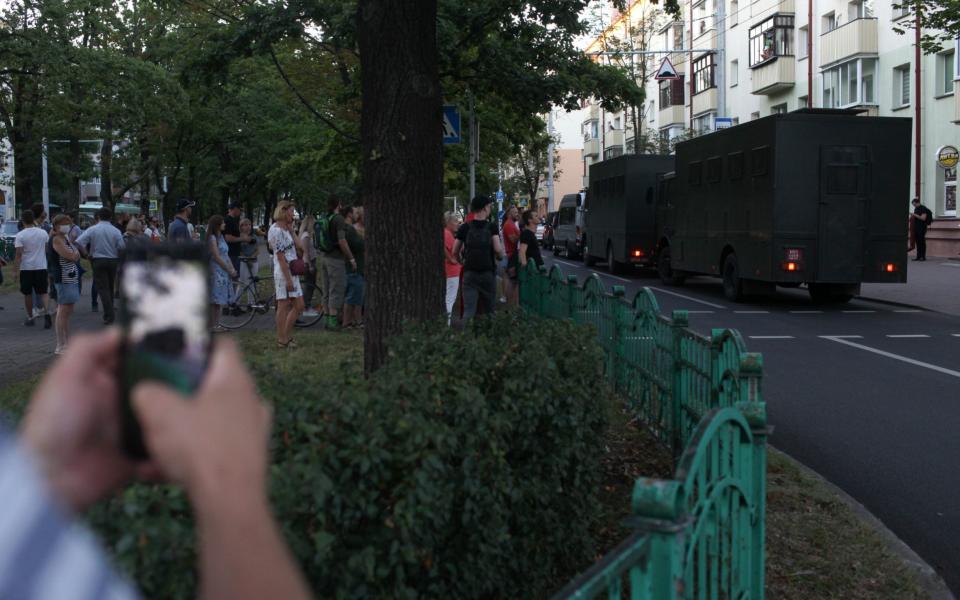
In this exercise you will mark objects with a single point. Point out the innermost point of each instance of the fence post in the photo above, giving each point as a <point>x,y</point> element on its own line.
<point>716,369</point>
<point>571,291</point>
<point>679,320</point>
<point>617,343</point>
<point>753,407</point>
<point>543,287</point>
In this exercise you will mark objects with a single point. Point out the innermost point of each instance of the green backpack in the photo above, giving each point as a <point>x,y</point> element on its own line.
<point>322,236</point>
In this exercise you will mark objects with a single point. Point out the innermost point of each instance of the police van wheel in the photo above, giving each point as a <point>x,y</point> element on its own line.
<point>587,259</point>
<point>732,284</point>
<point>665,269</point>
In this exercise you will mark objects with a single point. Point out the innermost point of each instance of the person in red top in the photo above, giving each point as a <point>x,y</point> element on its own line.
<point>511,237</point>
<point>451,266</point>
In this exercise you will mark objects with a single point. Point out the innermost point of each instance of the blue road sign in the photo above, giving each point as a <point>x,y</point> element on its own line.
<point>451,124</point>
<point>499,195</point>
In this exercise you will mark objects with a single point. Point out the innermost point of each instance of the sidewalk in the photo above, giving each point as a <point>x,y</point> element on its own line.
<point>27,351</point>
<point>933,285</point>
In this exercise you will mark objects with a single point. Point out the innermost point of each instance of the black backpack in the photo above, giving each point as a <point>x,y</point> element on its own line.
<point>478,247</point>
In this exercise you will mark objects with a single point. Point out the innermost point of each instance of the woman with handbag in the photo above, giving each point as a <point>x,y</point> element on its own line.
<point>64,260</point>
<point>287,268</point>
<point>221,270</point>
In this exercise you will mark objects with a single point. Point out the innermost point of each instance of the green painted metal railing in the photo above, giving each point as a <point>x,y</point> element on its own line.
<point>7,251</point>
<point>701,534</point>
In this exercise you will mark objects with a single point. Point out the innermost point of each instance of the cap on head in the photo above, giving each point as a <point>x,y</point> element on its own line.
<point>233,204</point>
<point>185,203</point>
<point>479,203</point>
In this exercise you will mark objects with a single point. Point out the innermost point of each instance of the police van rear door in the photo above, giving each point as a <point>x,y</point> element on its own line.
<point>844,181</point>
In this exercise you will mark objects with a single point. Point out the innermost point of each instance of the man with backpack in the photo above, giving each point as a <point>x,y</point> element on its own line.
<point>921,217</point>
<point>330,235</point>
<point>478,249</point>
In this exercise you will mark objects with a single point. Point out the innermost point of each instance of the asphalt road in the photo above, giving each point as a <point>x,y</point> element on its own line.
<point>864,393</point>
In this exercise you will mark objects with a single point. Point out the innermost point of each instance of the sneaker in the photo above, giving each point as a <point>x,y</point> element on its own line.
<point>332,323</point>
<point>29,322</point>
<point>60,350</point>
<point>310,313</point>
<point>37,312</point>
<point>47,322</point>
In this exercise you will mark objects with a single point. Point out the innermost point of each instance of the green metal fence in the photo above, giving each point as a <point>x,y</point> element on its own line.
<point>701,534</point>
<point>7,251</point>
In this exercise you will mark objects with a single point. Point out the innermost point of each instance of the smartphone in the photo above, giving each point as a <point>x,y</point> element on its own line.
<point>164,312</point>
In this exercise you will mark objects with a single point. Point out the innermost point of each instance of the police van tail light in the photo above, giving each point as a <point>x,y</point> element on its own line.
<point>792,260</point>
<point>890,268</point>
<point>638,253</point>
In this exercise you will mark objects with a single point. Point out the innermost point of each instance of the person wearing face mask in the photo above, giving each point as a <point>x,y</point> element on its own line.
<point>221,270</point>
<point>63,259</point>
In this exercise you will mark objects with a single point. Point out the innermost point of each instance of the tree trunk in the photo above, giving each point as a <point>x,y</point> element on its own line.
<point>76,157</point>
<point>25,163</point>
<point>402,169</point>
<point>106,173</point>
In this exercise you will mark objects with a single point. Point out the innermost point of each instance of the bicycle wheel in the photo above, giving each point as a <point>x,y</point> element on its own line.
<point>238,314</point>
<point>310,321</point>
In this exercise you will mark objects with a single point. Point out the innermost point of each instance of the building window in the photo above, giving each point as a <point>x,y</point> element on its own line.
<point>901,9</point>
<point>779,109</point>
<point>802,102</point>
<point>612,152</point>
<point>901,86</point>
<point>591,130</point>
<point>652,110</point>
<point>734,10</point>
<point>771,38</point>
<point>714,169</point>
<point>734,73</point>
<point>760,161</point>
<point>703,18</point>
<point>945,70</point>
<point>859,9</point>
<point>802,42</point>
<point>829,22</point>
<point>735,165</point>
<point>754,116</point>
<point>703,123</point>
<point>852,83</point>
<point>671,93</point>
<point>703,73</point>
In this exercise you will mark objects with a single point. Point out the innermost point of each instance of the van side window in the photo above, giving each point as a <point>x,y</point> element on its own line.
<point>735,165</point>
<point>760,161</point>
<point>696,172</point>
<point>714,169</point>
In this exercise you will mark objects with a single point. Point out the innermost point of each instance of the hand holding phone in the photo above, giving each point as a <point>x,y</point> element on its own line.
<point>165,317</point>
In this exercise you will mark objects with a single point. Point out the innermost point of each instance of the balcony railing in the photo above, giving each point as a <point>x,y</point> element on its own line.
<point>672,115</point>
<point>854,38</point>
<point>775,76</point>
<point>591,147</point>
<point>705,101</point>
<point>613,139</point>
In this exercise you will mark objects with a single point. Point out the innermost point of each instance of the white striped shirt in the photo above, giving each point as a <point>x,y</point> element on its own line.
<point>43,555</point>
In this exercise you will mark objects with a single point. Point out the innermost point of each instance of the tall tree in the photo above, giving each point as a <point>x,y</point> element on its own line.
<point>402,166</point>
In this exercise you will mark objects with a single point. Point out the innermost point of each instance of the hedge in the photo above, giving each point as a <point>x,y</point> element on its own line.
<point>467,467</point>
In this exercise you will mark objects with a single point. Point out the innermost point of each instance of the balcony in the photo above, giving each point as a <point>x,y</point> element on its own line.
<point>785,6</point>
<point>591,148</point>
<point>854,38</point>
<point>672,115</point>
<point>775,75</point>
<point>956,105</point>
<point>705,101</point>
<point>593,112</point>
<point>613,139</point>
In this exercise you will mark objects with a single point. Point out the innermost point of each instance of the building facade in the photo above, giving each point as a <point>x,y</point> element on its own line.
<point>739,60</point>
<point>7,204</point>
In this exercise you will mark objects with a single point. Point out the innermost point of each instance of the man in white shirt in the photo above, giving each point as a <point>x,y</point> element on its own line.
<point>31,260</point>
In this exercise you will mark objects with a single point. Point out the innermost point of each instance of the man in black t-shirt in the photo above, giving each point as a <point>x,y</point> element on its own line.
<point>529,248</point>
<point>478,249</point>
<point>231,233</point>
<point>921,219</point>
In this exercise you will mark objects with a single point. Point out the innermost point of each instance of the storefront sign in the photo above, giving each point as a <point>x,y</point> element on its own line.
<point>948,157</point>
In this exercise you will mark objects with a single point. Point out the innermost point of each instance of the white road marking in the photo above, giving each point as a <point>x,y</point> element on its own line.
<point>701,312</point>
<point>859,312</point>
<point>955,334</point>
<point>907,335</point>
<point>752,312</point>
<point>905,359</point>
<point>911,310</point>
<point>563,262</point>
<point>614,277</point>
<point>949,265</point>
<point>601,274</point>
<point>806,312</point>
<point>704,302</point>
<point>771,337</point>
<point>843,337</point>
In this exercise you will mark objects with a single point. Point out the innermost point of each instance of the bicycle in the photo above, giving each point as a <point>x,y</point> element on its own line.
<point>254,296</point>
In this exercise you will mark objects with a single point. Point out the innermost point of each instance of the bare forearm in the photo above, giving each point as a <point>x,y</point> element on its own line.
<point>249,561</point>
<point>345,248</point>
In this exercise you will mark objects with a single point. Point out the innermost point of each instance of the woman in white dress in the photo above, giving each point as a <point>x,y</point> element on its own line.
<point>287,287</point>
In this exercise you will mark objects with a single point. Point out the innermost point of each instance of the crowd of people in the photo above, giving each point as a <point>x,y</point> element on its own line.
<point>477,250</point>
<point>50,271</point>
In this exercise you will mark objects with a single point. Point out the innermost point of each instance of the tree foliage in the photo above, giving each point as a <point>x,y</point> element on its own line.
<point>940,21</point>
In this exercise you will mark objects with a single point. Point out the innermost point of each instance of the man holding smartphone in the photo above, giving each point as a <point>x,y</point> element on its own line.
<point>68,458</point>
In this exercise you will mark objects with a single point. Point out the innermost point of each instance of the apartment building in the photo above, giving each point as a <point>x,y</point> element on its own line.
<point>740,60</point>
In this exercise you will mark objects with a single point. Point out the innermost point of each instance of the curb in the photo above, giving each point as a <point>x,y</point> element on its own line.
<point>895,303</point>
<point>929,580</point>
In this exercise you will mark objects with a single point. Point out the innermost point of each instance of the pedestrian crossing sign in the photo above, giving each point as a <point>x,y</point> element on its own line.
<point>451,124</point>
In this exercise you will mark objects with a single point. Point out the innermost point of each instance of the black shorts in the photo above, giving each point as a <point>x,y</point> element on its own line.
<point>33,281</point>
